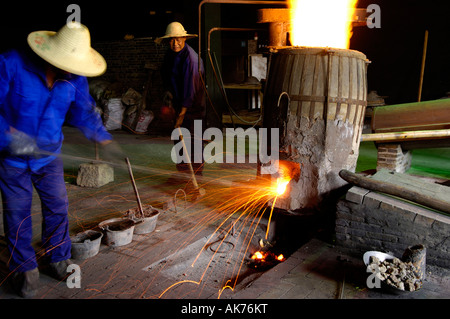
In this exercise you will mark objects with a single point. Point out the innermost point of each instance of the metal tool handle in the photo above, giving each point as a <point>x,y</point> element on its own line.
<point>194,180</point>
<point>134,186</point>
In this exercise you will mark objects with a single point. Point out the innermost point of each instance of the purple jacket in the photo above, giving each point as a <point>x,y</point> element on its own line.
<point>181,77</point>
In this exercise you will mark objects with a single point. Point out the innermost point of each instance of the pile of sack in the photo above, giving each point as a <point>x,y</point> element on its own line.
<point>126,111</point>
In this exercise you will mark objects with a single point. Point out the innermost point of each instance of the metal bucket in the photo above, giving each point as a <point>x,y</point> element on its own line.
<point>119,231</point>
<point>148,224</point>
<point>144,225</point>
<point>86,244</point>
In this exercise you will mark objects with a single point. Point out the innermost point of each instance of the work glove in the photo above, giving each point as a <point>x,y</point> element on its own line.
<point>22,144</point>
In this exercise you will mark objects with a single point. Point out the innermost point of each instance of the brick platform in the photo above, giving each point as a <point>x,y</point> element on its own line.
<point>367,220</point>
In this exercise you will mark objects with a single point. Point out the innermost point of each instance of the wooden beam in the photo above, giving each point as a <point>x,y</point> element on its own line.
<point>395,190</point>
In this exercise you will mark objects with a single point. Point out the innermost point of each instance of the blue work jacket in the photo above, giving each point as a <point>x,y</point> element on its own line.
<point>30,106</point>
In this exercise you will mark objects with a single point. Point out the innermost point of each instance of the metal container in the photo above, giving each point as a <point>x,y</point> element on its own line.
<point>86,244</point>
<point>146,225</point>
<point>417,255</point>
<point>118,231</point>
<point>145,221</point>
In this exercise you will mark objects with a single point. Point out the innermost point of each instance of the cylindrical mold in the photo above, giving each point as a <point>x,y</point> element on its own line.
<point>417,255</point>
<point>317,97</point>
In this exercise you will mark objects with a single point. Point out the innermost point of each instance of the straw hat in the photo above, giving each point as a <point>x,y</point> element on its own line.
<point>175,30</point>
<point>68,49</point>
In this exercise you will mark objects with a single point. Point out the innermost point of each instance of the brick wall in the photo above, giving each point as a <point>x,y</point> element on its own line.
<point>130,63</point>
<point>368,220</point>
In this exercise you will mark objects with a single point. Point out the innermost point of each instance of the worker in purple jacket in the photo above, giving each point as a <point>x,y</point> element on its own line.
<point>183,81</point>
<point>40,90</point>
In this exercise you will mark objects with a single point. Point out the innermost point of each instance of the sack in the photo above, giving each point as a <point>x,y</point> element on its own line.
<point>113,114</point>
<point>131,98</point>
<point>138,121</point>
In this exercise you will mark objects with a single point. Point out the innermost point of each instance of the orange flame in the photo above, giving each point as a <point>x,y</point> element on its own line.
<point>258,255</point>
<point>322,23</point>
<point>281,186</point>
<point>261,256</point>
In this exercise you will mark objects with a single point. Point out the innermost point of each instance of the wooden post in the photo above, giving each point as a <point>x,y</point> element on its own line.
<point>422,71</point>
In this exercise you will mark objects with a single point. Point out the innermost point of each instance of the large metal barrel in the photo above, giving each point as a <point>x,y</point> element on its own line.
<point>317,97</point>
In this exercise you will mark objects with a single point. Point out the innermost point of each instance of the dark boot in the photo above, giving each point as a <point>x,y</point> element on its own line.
<point>26,283</point>
<point>59,269</point>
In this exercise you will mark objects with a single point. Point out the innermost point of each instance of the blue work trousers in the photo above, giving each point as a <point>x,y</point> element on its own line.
<point>16,186</point>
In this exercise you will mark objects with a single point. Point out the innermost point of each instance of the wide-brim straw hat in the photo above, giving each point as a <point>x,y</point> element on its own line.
<point>175,30</point>
<point>69,49</point>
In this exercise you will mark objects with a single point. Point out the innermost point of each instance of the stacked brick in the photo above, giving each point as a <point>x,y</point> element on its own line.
<point>393,158</point>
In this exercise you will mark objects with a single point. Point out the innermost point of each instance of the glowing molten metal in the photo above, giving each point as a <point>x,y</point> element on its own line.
<point>258,255</point>
<point>322,23</point>
<point>281,186</point>
<point>262,256</point>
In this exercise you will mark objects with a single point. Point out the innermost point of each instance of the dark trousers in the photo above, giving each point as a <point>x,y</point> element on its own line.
<point>16,186</point>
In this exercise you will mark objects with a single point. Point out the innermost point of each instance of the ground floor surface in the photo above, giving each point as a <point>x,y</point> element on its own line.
<point>201,247</point>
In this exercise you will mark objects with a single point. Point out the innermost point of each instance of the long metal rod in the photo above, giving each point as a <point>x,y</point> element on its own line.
<point>188,160</point>
<point>401,136</point>
<point>135,187</point>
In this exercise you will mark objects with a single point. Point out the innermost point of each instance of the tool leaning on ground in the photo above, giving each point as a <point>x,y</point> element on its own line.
<point>200,191</point>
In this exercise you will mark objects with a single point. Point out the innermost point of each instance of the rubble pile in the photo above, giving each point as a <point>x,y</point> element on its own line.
<point>396,273</point>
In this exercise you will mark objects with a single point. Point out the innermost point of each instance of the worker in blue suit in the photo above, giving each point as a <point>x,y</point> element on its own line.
<point>41,88</point>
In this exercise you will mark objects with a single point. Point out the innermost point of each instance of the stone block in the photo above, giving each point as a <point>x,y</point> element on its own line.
<point>356,194</point>
<point>424,221</point>
<point>94,174</point>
